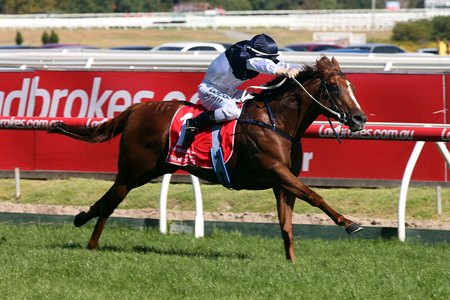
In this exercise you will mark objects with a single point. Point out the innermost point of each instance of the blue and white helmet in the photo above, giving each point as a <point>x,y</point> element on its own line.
<point>264,46</point>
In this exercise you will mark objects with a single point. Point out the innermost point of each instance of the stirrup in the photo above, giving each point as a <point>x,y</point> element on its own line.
<point>189,133</point>
<point>190,124</point>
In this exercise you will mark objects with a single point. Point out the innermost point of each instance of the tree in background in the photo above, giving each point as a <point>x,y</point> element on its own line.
<point>336,4</point>
<point>54,38</point>
<point>358,4</point>
<point>45,38</point>
<point>86,6</point>
<point>412,3</point>
<point>108,6</point>
<point>234,4</point>
<point>416,31</point>
<point>129,5</point>
<point>19,38</point>
<point>422,31</point>
<point>440,27</point>
<point>274,4</point>
<point>28,6</point>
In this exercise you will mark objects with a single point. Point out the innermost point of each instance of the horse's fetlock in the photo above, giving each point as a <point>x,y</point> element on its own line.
<point>80,219</point>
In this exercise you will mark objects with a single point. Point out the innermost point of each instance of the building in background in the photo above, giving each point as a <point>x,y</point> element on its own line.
<point>393,5</point>
<point>437,3</point>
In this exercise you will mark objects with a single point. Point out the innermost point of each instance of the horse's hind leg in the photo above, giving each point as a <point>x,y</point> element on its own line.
<point>104,208</point>
<point>93,212</point>
<point>285,207</point>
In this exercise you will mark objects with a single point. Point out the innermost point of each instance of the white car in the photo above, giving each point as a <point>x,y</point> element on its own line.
<point>369,48</point>
<point>428,50</point>
<point>191,46</point>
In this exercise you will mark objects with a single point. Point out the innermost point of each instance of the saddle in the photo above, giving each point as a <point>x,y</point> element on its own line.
<point>211,149</point>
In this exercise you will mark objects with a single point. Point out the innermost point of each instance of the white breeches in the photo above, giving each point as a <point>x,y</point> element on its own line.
<point>224,105</point>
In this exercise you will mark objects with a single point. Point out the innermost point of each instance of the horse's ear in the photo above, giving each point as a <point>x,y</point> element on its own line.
<point>320,61</point>
<point>335,62</point>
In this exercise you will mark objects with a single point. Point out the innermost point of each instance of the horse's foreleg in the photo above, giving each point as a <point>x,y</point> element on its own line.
<point>118,192</point>
<point>285,207</point>
<point>295,186</point>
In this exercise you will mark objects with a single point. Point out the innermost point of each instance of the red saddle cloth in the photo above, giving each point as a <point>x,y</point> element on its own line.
<point>198,154</point>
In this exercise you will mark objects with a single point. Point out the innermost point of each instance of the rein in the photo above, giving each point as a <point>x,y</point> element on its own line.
<point>261,87</point>
<point>340,116</point>
<point>272,125</point>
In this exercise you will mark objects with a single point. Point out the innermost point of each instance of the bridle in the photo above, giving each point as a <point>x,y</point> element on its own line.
<point>324,86</point>
<point>335,111</point>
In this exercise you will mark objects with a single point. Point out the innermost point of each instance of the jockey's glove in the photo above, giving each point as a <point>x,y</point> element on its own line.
<point>291,73</point>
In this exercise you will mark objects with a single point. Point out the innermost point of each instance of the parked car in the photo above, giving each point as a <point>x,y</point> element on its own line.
<point>315,47</point>
<point>371,48</point>
<point>285,49</point>
<point>428,51</point>
<point>191,46</point>
<point>15,47</point>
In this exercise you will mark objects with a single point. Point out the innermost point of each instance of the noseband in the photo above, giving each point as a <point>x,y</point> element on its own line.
<point>324,86</point>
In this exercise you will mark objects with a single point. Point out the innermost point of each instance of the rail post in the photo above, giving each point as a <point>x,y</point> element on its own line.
<point>199,222</point>
<point>401,214</point>
<point>17,180</point>
<point>404,189</point>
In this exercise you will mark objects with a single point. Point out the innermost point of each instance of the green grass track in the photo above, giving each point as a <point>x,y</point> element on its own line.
<point>51,262</point>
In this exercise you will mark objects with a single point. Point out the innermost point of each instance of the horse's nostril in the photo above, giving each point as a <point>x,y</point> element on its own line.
<point>359,119</point>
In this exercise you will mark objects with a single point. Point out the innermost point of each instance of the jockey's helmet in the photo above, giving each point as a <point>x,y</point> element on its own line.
<point>263,45</point>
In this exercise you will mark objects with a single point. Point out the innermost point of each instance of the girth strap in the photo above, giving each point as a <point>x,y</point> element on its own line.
<point>292,139</point>
<point>271,126</point>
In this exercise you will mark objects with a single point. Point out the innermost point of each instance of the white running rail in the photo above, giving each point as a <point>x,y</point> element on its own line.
<point>199,222</point>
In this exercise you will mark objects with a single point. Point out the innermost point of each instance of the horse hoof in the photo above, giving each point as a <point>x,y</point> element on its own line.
<point>353,228</point>
<point>92,246</point>
<point>80,219</point>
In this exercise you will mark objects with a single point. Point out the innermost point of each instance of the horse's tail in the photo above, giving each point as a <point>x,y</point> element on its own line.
<point>98,134</point>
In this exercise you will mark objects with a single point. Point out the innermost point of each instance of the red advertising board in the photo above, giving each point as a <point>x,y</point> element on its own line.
<point>410,98</point>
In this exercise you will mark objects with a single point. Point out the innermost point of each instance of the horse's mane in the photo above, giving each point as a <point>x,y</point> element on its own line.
<point>309,73</point>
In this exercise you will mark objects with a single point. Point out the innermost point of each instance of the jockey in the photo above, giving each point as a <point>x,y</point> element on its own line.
<point>218,91</point>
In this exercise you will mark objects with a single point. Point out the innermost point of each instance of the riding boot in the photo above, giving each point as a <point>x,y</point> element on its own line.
<point>203,120</point>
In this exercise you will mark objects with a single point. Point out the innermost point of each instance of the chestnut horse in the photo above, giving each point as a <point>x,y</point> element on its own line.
<point>267,149</point>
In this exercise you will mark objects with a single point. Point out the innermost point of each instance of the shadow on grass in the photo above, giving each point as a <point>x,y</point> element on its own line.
<point>149,249</point>
<point>193,253</point>
<point>78,246</point>
<point>70,246</point>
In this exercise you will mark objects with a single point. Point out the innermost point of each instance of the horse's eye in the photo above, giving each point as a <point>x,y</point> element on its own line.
<point>333,88</point>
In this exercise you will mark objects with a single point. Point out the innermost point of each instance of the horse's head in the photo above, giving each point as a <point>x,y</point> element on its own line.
<point>337,95</point>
